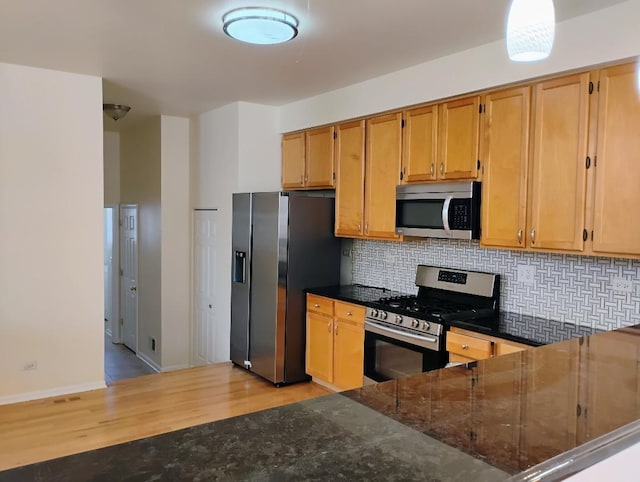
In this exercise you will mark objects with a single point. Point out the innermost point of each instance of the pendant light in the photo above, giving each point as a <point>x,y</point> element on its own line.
<point>530,30</point>
<point>115,111</point>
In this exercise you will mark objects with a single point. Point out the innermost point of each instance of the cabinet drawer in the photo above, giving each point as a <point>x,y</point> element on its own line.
<point>507,348</point>
<point>351,312</point>
<point>468,346</point>
<point>320,304</point>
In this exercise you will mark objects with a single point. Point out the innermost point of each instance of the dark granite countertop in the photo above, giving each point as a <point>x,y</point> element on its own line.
<point>529,330</point>
<point>481,421</point>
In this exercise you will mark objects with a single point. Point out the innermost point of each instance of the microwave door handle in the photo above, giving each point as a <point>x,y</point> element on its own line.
<point>445,214</point>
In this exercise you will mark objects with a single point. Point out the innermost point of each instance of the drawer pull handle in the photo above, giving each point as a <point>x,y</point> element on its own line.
<point>317,305</point>
<point>465,346</point>
<point>349,313</point>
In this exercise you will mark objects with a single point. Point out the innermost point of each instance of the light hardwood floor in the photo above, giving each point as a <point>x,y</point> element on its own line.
<point>136,408</point>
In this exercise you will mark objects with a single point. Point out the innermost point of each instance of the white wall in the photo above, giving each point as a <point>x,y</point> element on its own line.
<point>602,36</point>
<point>51,248</point>
<point>239,151</point>
<point>176,242</point>
<point>259,167</point>
<point>215,172</point>
<point>140,184</point>
<point>111,151</point>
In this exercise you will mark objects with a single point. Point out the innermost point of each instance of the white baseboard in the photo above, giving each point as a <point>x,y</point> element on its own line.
<point>149,361</point>
<point>54,392</point>
<point>175,367</point>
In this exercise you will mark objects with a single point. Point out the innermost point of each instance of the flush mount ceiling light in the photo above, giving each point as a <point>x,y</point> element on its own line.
<point>260,25</point>
<point>115,111</point>
<point>530,30</point>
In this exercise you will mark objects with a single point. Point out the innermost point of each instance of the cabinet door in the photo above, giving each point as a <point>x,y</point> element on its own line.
<point>319,355</point>
<point>505,154</point>
<point>617,195</point>
<point>458,143</point>
<point>384,144</point>
<point>293,160</point>
<point>350,179</point>
<point>320,154</point>
<point>419,148</point>
<point>550,412</point>
<point>558,180</point>
<point>348,360</point>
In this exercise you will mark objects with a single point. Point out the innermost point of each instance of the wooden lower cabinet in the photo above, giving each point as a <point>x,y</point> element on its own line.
<point>319,354</point>
<point>348,354</point>
<point>335,342</point>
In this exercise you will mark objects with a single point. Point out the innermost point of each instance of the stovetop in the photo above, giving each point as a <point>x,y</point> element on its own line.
<point>432,309</point>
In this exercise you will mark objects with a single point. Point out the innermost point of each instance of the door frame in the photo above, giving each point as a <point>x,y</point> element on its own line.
<point>116,335</point>
<point>192,281</point>
<point>137,329</point>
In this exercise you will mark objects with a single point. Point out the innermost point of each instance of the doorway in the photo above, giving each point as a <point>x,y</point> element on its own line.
<point>204,269</point>
<point>129,276</point>
<point>120,360</point>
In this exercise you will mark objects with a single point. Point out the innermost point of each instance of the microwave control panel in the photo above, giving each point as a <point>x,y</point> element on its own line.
<point>459,217</point>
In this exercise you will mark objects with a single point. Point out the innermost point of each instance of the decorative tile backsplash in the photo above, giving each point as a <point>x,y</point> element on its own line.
<point>574,289</point>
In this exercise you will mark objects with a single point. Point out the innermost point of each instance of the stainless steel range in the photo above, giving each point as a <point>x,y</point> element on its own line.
<point>404,335</point>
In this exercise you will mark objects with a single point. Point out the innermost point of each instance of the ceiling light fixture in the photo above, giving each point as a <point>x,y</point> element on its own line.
<point>260,25</point>
<point>115,111</point>
<point>530,30</point>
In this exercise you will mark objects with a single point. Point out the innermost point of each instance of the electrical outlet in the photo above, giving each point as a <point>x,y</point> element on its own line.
<point>153,344</point>
<point>622,285</point>
<point>527,275</point>
<point>30,365</point>
<point>389,259</point>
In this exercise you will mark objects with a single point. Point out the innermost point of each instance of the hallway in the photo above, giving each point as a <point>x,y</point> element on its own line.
<point>120,362</point>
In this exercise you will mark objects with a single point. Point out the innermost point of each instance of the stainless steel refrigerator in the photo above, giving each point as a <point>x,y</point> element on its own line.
<point>282,243</point>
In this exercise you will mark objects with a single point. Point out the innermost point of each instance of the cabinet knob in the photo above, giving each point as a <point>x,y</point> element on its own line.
<point>465,346</point>
<point>349,313</point>
<point>317,305</point>
<point>520,236</point>
<point>432,170</point>
<point>301,180</point>
<point>336,329</point>
<point>441,168</point>
<point>329,327</point>
<point>366,228</point>
<point>533,236</point>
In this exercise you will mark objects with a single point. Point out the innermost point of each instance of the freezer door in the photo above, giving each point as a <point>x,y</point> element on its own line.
<point>268,293</point>
<point>240,278</point>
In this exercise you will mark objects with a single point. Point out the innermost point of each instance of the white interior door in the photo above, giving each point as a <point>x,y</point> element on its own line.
<point>129,275</point>
<point>204,267</point>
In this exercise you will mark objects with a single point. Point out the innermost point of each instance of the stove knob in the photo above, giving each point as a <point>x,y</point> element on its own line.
<point>399,319</point>
<point>383,315</point>
<point>415,323</point>
<point>374,313</point>
<point>425,325</point>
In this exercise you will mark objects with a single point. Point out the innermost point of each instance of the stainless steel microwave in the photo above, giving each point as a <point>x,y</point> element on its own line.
<point>439,210</point>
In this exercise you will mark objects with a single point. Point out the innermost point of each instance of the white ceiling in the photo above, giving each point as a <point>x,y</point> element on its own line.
<point>171,56</point>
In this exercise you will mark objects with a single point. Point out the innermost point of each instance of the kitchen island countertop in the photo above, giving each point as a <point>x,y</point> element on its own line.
<point>481,421</point>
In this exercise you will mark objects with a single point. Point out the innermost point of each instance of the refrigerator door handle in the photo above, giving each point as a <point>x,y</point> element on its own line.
<point>240,267</point>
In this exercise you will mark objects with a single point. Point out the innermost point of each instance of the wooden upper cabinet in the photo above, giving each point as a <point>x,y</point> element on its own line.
<point>350,167</point>
<point>617,172</point>
<point>319,157</point>
<point>384,150</point>
<point>505,153</point>
<point>458,143</point>
<point>419,147</point>
<point>558,174</point>
<point>293,156</point>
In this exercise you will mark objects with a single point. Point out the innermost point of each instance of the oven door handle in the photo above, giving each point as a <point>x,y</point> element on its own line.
<point>445,214</point>
<point>426,341</point>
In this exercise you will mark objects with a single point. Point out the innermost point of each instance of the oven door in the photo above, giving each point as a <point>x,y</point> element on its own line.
<point>390,354</point>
